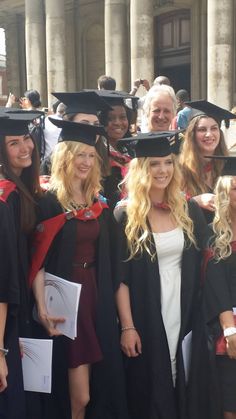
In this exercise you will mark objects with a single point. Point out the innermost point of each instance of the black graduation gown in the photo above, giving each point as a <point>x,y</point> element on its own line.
<point>219,296</point>
<point>110,185</point>
<point>150,389</point>
<point>107,393</point>
<point>14,291</point>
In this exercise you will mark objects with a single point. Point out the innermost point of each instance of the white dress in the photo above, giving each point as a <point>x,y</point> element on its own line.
<point>169,247</point>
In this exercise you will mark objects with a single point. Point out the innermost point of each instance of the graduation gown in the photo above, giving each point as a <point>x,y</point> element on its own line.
<point>219,296</point>
<point>14,292</point>
<point>150,390</point>
<point>107,393</point>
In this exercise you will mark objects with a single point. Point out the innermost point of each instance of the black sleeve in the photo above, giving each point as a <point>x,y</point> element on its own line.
<point>9,283</point>
<point>123,265</point>
<point>217,296</point>
<point>202,232</point>
<point>47,207</point>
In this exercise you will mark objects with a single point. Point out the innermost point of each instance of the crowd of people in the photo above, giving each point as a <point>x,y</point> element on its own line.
<point>134,199</point>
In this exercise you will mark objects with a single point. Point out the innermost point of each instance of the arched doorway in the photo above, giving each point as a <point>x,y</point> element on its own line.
<point>173,48</point>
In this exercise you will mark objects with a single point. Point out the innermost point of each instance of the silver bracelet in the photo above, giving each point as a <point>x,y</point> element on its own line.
<point>4,351</point>
<point>123,329</point>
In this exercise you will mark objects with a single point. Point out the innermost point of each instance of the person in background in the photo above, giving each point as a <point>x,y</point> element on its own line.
<point>51,132</point>
<point>19,190</point>
<point>203,137</point>
<point>159,80</point>
<point>81,251</point>
<point>183,110</point>
<point>106,83</point>
<point>29,101</point>
<point>220,295</point>
<point>159,244</point>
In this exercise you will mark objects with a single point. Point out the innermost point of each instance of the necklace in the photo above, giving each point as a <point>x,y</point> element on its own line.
<point>162,205</point>
<point>76,206</point>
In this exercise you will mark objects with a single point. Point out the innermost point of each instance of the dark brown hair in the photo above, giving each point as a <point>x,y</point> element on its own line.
<point>27,184</point>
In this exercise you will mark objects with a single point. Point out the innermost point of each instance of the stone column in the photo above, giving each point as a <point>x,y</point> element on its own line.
<point>12,55</point>
<point>116,42</point>
<point>142,39</point>
<point>56,46</point>
<point>220,52</point>
<point>71,50</point>
<point>35,47</point>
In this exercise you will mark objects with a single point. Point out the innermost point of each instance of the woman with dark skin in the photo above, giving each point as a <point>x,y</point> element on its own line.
<point>19,188</point>
<point>117,126</point>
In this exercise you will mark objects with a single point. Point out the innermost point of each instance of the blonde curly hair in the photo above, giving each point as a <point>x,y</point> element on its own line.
<point>63,172</point>
<point>138,184</point>
<point>222,220</point>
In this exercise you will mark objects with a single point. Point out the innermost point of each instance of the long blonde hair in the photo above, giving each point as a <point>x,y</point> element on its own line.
<point>138,183</point>
<point>222,220</point>
<point>63,172</point>
<point>191,162</point>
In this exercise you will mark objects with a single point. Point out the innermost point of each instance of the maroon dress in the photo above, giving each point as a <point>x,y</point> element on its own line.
<point>85,348</point>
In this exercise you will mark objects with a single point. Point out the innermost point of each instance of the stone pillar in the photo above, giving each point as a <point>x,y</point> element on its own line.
<point>142,40</point>
<point>220,52</point>
<point>116,42</point>
<point>56,46</point>
<point>12,55</point>
<point>35,48</point>
<point>71,50</point>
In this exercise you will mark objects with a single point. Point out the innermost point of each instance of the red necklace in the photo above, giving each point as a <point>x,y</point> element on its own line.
<point>162,205</point>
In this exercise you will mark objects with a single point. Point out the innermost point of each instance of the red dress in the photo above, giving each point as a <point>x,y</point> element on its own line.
<point>85,348</point>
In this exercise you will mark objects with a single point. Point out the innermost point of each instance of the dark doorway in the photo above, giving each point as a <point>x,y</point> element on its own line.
<point>179,76</point>
<point>173,48</point>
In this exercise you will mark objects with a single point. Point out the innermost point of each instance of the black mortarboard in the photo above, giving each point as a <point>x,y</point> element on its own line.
<point>229,168</point>
<point>76,131</point>
<point>117,98</point>
<point>16,121</point>
<point>203,107</point>
<point>82,102</point>
<point>151,144</point>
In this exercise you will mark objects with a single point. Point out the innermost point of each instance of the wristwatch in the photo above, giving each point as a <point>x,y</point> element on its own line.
<point>4,351</point>
<point>229,331</point>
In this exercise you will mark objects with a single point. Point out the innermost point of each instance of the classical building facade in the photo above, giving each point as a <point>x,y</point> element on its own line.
<point>59,45</point>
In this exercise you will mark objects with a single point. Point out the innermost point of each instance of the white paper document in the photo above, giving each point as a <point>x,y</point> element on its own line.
<point>37,364</point>
<point>187,351</point>
<point>62,300</point>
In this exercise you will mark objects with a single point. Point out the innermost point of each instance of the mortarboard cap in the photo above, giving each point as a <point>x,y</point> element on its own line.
<point>82,102</point>
<point>117,98</point>
<point>229,168</point>
<point>203,107</point>
<point>76,131</point>
<point>151,144</point>
<point>16,121</point>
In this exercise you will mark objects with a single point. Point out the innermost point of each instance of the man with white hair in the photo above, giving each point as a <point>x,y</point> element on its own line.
<point>159,109</point>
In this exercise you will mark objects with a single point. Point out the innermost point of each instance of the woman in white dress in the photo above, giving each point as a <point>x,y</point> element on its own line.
<point>159,277</point>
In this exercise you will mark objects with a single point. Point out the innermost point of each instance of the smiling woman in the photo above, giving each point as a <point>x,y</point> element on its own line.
<point>157,244</point>
<point>203,137</point>
<point>80,252</point>
<point>19,189</point>
<point>19,150</point>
